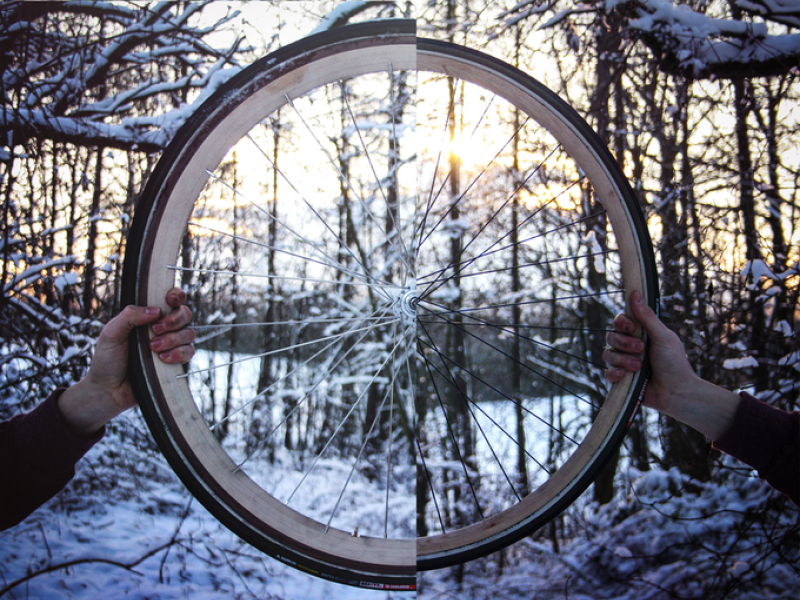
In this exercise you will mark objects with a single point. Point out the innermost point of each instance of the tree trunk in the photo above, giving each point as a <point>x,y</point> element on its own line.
<point>607,75</point>
<point>91,241</point>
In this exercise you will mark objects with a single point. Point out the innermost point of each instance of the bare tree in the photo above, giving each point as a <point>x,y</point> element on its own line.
<point>88,89</point>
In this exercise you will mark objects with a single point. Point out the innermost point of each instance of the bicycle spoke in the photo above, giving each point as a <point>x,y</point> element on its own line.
<point>395,226</point>
<point>309,321</point>
<point>450,430</point>
<point>280,350</point>
<point>279,250</point>
<point>528,265</point>
<point>528,367</point>
<point>485,307</point>
<point>469,187</point>
<point>467,402</point>
<point>339,359</point>
<point>505,325</point>
<point>329,260</point>
<point>343,177</point>
<point>231,273</point>
<point>430,487</point>
<point>316,213</point>
<point>433,197</point>
<point>390,439</point>
<point>367,438</point>
<point>489,221</point>
<point>490,250</point>
<point>509,330</point>
<point>504,396</point>
<point>337,430</point>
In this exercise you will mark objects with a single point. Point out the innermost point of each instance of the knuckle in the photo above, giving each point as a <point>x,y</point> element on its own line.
<point>176,319</point>
<point>183,354</point>
<point>129,313</point>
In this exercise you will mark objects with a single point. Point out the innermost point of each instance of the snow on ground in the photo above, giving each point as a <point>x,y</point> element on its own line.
<point>126,527</point>
<point>205,562</point>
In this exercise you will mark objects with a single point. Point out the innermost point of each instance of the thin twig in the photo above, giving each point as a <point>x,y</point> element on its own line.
<point>81,561</point>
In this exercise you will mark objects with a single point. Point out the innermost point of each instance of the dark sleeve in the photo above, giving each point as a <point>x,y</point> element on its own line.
<point>37,459</point>
<point>767,439</point>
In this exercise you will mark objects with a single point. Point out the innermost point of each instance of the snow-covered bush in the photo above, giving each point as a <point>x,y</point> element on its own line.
<point>668,537</point>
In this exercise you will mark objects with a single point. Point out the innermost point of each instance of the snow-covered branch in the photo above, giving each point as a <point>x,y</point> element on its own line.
<point>81,74</point>
<point>743,38</point>
<point>735,44</point>
<point>32,273</point>
<point>344,12</point>
<point>786,12</point>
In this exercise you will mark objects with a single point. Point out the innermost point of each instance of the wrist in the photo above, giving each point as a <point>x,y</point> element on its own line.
<point>705,407</point>
<point>85,409</point>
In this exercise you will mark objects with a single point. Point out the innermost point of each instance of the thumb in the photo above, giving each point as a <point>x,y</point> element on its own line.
<point>647,317</point>
<point>118,328</point>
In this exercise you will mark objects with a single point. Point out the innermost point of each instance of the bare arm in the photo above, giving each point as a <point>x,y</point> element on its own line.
<point>674,388</point>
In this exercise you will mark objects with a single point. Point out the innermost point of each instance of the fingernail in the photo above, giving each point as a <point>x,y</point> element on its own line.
<point>151,311</point>
<point>159,328</point>
<point>156,345</point>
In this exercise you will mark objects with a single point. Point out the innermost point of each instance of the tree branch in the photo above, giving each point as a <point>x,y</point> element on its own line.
<point>695,45</point>
<point>82,561</point>
<point>96,89</point>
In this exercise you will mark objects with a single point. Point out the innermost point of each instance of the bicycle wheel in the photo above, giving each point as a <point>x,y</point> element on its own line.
<point>399,340</point>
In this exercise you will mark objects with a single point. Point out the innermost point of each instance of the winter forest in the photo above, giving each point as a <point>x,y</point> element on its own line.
<point>401,286</point>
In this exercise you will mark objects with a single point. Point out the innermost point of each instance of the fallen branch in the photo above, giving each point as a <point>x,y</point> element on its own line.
<point>81,561</point>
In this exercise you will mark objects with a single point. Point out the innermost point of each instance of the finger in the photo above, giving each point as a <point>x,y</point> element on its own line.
<point>179,355</point>
<point>177,319</point>
<point>615,375</point>
<point>118,328</point>
<point>168,341</point>
<point>625,343</point>
<point>176,297</point>
<point>620,360</point>
<point>624,324</point>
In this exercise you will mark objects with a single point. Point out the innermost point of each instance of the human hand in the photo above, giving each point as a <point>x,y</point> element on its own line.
<point>105,391</point>
<point>674,388</point>
<point>670,367</point>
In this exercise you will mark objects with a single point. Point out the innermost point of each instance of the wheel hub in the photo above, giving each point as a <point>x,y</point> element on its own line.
<point>405,305</point>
